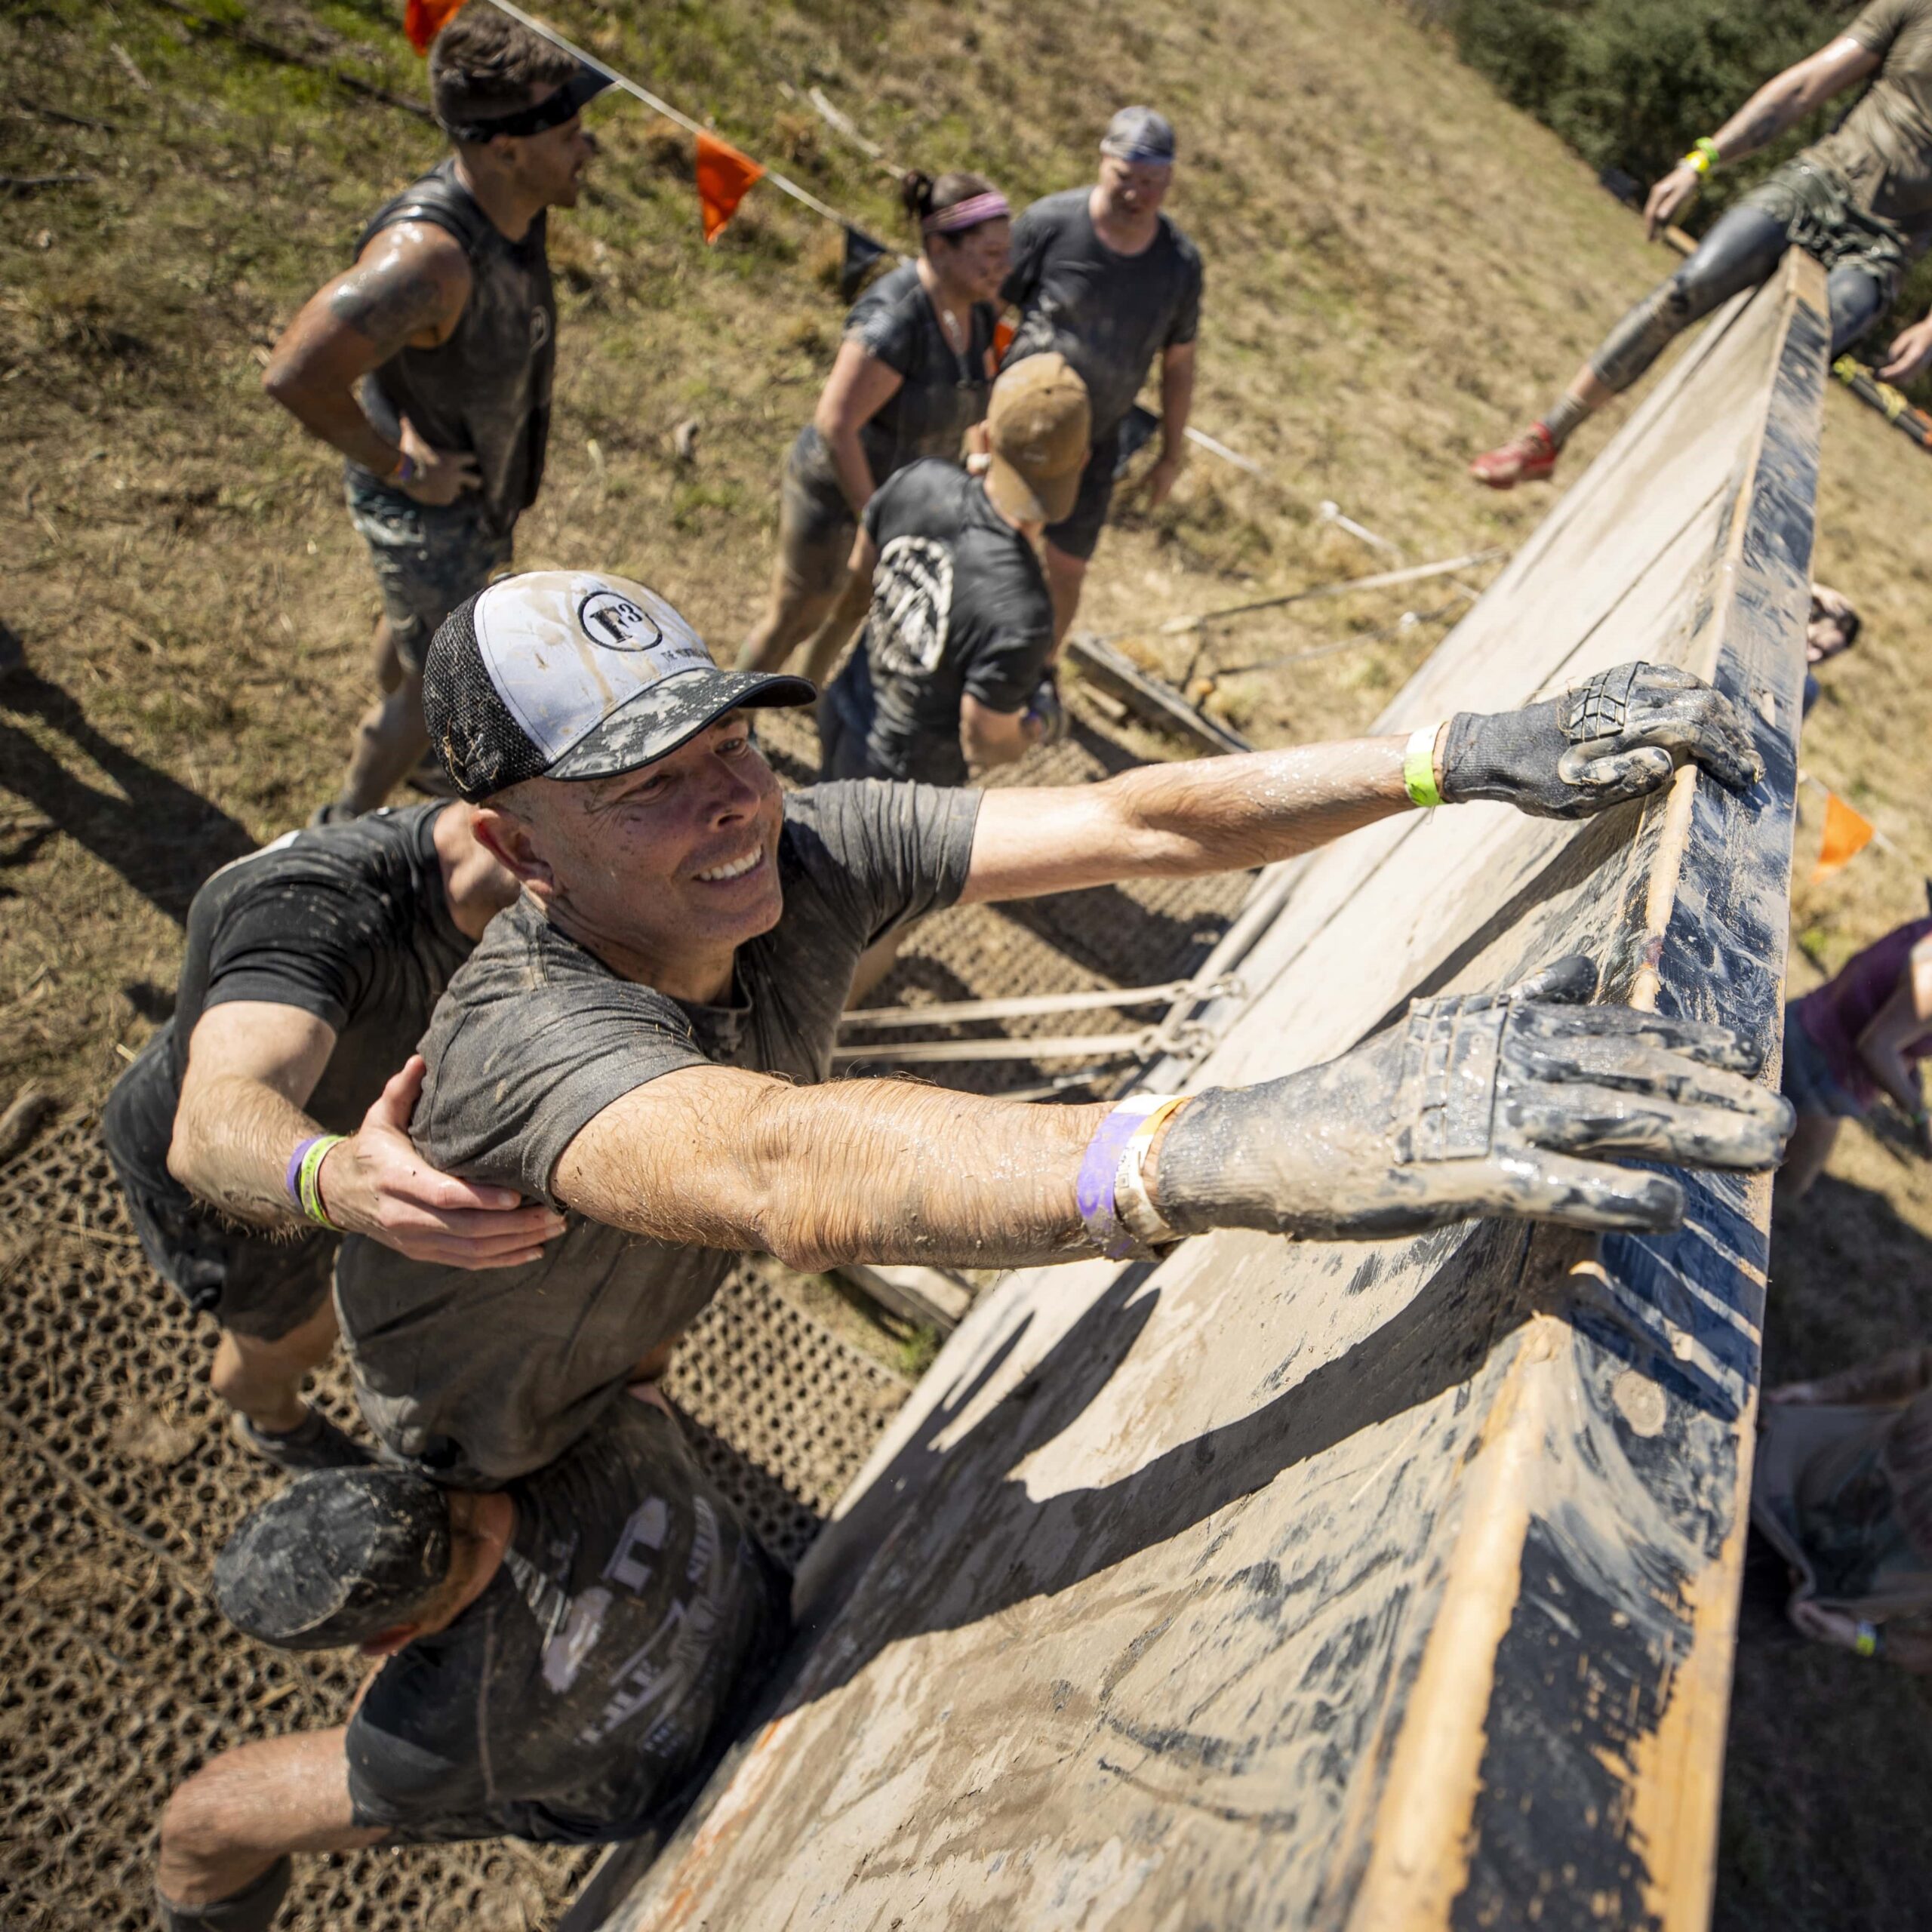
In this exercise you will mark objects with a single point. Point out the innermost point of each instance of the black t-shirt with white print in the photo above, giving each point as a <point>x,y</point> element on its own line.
<point>959,609</point>
<point>578,1693</point>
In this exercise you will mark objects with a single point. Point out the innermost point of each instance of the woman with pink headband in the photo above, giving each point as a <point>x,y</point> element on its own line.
<point>911,379</point>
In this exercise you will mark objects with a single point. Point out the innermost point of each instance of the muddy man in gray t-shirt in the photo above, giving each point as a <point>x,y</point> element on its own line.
<point>644,1039</point>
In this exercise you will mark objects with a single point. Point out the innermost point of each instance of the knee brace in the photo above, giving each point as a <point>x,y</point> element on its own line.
<point>252,1909</point>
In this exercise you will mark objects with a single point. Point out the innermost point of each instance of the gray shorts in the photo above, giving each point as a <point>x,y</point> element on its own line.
<point>428,557</point>
<point>1077,534</point>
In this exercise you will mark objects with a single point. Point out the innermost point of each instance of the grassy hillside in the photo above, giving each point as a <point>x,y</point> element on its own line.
<point>1399,269</point>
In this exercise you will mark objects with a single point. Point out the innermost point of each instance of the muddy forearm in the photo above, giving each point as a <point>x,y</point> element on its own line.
<point>331,414</point>
<point>876,1170</point>
<point>1226,813</point>
<point>232,1139</point>
<point>849,464</point>
<point>1779,104</point>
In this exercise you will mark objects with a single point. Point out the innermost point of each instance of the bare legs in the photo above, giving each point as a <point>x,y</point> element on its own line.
<point>792,613</point>
<point>391,736</point>
<point>1806,1153</point>
<point>1065,577</point>
<point>262,1381</point>
<point>247,1809</point>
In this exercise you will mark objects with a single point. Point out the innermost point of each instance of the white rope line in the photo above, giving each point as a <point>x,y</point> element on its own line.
<point>1021,1006</point>
<point>1069,1046</point>
<point>784,183</point>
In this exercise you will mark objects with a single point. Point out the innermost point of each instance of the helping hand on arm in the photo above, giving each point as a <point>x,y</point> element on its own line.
<point>251,1066</point>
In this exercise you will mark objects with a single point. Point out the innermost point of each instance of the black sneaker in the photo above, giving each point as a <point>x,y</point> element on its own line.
<point>316,1444</point>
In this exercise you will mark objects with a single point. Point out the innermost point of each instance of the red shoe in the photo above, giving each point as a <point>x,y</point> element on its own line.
<point>1529,459</point>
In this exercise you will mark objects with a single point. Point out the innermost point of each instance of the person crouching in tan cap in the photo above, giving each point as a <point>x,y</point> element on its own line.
<point>952,671</point>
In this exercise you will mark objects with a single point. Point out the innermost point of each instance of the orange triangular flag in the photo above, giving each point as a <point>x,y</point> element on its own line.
<point>1846,835</point>
<point>423,20</point>
<point>723,177</point>
<point>1003,331</point>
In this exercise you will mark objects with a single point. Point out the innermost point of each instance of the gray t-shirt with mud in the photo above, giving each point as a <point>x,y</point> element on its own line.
<point>479,1378</point>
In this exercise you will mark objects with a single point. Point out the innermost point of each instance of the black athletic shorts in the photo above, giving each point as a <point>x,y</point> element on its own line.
<point>256,1283</point>
<point>1077,534</point>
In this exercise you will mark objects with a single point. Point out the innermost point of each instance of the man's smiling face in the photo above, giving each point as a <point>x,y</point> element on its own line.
<point>674,862</point>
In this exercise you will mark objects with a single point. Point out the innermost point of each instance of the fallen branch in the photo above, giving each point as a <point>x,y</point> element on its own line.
<point>25,184</point>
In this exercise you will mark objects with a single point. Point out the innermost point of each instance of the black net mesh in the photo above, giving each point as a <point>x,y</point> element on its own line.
<point>119,1479</point>
<point>482,747</point>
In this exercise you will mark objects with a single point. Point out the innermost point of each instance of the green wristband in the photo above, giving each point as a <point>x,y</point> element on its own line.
<point>1704,156</point>
<point>308,1179</point>
<point>1419,767</point>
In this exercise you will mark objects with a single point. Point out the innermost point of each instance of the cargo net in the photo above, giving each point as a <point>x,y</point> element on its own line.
<point>121,1478</point>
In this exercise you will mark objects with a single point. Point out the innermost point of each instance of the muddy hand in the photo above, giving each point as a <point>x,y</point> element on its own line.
<point>1476,1105</point>
<point>1617,736</point>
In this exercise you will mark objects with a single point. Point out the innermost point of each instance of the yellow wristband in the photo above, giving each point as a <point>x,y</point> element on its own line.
<point>1419,767</point>
<point>1703,157</point>
<point>309,1181</point>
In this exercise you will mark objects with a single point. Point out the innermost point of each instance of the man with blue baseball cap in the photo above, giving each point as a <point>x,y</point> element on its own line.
<point>1103,276</point>
<point>645,1039</point>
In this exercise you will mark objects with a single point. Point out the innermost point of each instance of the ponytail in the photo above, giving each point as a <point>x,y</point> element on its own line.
<point>953,205</point>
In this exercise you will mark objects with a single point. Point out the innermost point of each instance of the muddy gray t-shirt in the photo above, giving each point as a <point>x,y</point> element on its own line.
<point>943,391</point>
<point>479,1378</point>
<point>1109,314</point>
<point>1883,150</point>
<point>576,1695</point>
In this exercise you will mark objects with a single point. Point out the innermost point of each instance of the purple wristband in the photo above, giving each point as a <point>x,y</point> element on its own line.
<point>1094,1192</point>
<point>292,1180</point>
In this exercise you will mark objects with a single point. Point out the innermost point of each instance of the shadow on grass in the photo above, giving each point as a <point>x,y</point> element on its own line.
<point>163,839</point>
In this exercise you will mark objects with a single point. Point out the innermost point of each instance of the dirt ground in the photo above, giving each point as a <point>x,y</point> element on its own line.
<point>1399,270</point>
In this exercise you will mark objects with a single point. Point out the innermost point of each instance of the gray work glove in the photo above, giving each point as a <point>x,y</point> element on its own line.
<point>1478,1104</point>
<point>1616,736</point>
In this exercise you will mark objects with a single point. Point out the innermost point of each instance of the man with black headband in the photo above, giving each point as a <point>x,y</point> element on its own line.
<point>560,1654</point>
<point>645,1037</point>
<point>1101,276</point>
<point>428,364</point>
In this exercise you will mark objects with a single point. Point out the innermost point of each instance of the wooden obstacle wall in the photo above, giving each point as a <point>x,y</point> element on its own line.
<point>1373,1585</point>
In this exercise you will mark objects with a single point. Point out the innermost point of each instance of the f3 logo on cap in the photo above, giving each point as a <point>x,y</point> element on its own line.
<point>609,618</point>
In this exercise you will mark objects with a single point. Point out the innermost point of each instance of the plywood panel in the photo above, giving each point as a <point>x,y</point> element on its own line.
<point>1352,1585</point>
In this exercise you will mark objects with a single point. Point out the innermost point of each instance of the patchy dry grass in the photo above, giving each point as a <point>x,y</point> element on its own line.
<point>1398,271</point>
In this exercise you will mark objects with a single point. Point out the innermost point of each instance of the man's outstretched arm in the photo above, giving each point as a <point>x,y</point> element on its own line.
<point>1781,102</point>
<point>1615,736</point>
<point>1550,1094</point>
